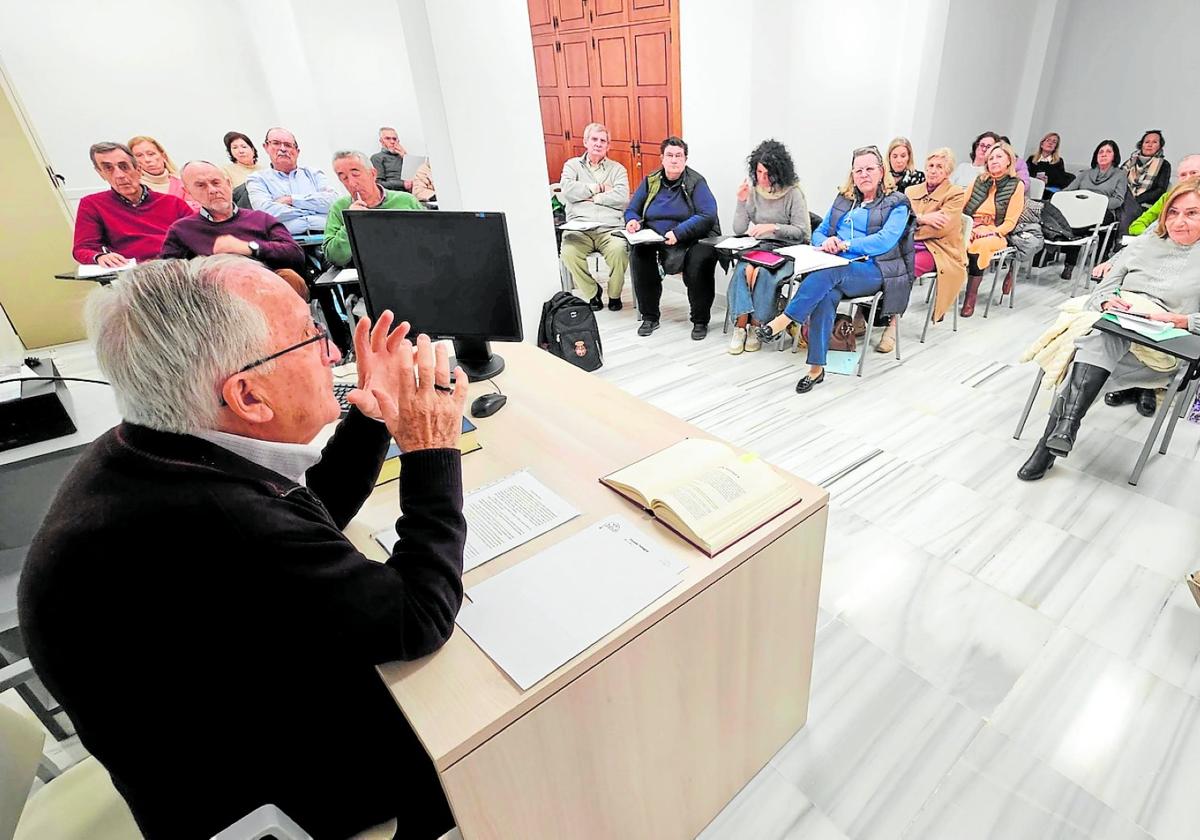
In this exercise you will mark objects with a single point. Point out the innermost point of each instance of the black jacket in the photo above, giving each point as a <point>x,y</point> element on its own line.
<point>390,168</point>
<point>1056,173</point>
<point>212,633</point>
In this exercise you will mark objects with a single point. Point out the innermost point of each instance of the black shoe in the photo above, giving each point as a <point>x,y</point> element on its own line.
<point>699,331</point>
<point>766,335</point>
<point>806,384</point>
<point>1116,398</point>
<point>1066,272</point>
<point>596,303</point>
<point>1041,460</point>
<point>614,304</point>
<point>1147,403</point>
<point>647,327</point>
<point>1085,384</point>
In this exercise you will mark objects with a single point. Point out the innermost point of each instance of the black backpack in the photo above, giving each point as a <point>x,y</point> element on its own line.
<point>1054,224</point>
<point>568,329</point>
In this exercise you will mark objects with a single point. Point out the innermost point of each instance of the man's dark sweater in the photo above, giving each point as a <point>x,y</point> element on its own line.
<point>194,237</point>
<point>389,168</point>
<point>212,633</point>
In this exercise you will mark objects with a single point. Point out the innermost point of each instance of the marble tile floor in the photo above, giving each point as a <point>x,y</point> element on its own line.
<point>995,660</point>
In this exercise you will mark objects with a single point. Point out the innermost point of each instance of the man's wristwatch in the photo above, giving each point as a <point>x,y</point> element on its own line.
<point>253,246</point>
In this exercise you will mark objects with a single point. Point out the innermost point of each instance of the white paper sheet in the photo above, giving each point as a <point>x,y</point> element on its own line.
<point>642,237</point>
<point>541,613</point>
<point>737,243</point>
<point>96,270</point>
<point>580,224</point>
<point>503,515</point>
<point>809,258</point>
<point>1141,325</point>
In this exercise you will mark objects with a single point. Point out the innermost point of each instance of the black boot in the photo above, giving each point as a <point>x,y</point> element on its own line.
<point>1041,459</point>
<point>1085,384</point>
<point>1147,404</point>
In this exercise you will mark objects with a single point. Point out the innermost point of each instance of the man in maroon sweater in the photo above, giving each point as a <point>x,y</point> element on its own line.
<point>126,222</point>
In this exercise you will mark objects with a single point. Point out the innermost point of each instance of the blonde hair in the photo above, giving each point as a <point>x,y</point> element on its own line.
<point>901,141</point>
<point>1012,159</point>
<point>172,169</point>
<point>887,185</point>
<point>945,154</point>
<point>1054,157</point>
<point>1191,185</point>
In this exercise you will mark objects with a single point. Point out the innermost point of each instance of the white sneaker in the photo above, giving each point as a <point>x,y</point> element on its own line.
<point>752,341</point>
<point>737,342</point>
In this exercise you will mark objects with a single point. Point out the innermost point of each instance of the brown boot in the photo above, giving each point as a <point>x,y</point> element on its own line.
<point>973,282</point>
<point>1006,289</point>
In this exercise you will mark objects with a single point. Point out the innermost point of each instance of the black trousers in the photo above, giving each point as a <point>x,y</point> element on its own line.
<point>698,275</point>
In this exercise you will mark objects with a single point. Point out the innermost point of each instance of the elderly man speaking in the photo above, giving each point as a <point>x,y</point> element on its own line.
<point>191,599</point>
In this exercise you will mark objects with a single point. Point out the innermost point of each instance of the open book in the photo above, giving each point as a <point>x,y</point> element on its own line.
<point>709,494</point>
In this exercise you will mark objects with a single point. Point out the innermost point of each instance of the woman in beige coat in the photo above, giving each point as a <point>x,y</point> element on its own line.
<point>938,205</point>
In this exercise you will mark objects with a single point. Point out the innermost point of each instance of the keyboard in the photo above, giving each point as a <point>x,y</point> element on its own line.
<point>340,390</point>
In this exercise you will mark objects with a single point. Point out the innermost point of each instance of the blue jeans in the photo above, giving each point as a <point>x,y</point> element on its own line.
<point>761,301</point>
<point>817,298</point>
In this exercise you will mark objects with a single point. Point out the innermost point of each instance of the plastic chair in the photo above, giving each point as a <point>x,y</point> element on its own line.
<point>1037,188</point>
<point>1000,262</point>
<point>967,224</point>
<point>873,302</point>
<point>1081,209</point>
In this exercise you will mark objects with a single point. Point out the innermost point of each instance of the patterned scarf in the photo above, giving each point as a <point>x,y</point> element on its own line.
<point>1142,171</point>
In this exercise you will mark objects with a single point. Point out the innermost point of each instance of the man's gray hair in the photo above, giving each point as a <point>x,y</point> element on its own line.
<point>199,161</point>
<point>344,154</point>
<point>592,128</point>
<point>106,146</point>
<point>384,128</point>
<point>168,334</point>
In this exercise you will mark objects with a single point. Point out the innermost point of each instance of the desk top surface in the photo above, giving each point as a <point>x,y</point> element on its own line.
<point>569,428</point>
<point>1186,347</point>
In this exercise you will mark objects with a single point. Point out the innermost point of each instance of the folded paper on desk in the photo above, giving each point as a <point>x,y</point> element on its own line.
<point>97,270</point>
<point>541,613</point>
<point>809,258</point>
<point>501,516</point>
<point>643,236</point>
<point>737,243</point>
<point>706,492</point>
<point>1148,327</point>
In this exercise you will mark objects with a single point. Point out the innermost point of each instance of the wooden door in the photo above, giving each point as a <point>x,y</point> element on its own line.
<point>609,12</point>
<point>541,17</point>
<point>655,87</point>
<point>578,75</point>
<point>614,95</point>
<point>572,15</point>
<point>550,102</point>
<point>643,10</point>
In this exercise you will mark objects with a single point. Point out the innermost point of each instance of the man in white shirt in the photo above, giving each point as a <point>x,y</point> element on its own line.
<point>297,196</point>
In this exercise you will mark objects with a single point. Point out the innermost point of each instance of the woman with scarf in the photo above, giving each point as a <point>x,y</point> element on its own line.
<point>1148,172</point>
<point>995,204</point>
<point>900,162</point>
<point>774,208</point>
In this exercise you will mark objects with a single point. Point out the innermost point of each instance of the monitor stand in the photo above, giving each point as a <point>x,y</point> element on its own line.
<point>475,357</point>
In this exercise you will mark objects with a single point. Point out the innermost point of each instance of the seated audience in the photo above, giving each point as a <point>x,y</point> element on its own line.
<point>1106,178</point>
<point>128,221</point>
<point>206,528</point>
<point>674,201</point>
<point>243,158</point>
<point>1147,170</point>
<point>966,172</point>
<point>937,206</point>
<point>902,166</point>
<point>1047,165</point>
<point>1163,268</point>
<point>222,228</point>
<point>868,219</point>
<point>1018,165</point>
<point>995,204</point>
<point>595,191</point>
<point>360,179</point>
<point>297,196</point>
<point>157,168</point>
<point>774,208</point>
<point>389,161</point>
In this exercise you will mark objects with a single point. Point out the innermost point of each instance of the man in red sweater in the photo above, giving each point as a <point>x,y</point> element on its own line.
<point>126,222</point>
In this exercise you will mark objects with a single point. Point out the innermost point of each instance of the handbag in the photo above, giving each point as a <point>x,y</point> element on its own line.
<point>841,337</point>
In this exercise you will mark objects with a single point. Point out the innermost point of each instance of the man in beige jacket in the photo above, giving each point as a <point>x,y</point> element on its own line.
<point>595,191</point>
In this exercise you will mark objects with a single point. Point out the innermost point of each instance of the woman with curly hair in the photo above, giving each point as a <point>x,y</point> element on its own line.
<point>900,161</point>
<point>774,208</point>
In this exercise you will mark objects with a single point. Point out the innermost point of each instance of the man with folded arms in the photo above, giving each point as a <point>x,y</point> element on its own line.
<point>221,227</point>
<point>128,221</point>
<point>296,195</point>
<point>595,191</point>
<point>191,599</point>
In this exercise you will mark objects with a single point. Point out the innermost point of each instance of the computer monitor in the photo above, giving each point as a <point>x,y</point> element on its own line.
<point>449,274</point>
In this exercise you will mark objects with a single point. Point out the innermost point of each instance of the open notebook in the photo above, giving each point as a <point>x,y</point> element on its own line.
<point>704,490</point>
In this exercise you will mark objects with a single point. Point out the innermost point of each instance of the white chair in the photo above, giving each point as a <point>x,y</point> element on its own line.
<point>1082,209</point>
<point>967,224</point>
<point>873,302</point>
<point>1001,262</point>
<point>1037,188</point>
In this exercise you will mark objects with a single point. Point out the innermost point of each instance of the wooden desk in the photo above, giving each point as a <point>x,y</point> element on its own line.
<point>651,731</point>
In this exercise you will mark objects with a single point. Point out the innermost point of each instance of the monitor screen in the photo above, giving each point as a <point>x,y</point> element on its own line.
<point>449,274</point>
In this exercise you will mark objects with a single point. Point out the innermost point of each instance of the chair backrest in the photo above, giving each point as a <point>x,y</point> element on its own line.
<point>411,164</point>
<point>968,223</point>
<point>21,741</point>
<point>264,821</point>
<point>1080,208</point>
<point>1037,188</point>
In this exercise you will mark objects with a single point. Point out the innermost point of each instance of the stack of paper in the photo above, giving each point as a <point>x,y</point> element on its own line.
<point>96,270</point>
<point>809,258</point>
<point>1148,327</point>
<point>536,616</point>
<point>501,516</point>
<point>643,236</point>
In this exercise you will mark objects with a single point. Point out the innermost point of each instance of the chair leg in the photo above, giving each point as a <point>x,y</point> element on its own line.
<point>897,317</point>
<point>1029,403</point>
<point>928,309</point>
<point>862,357</point>
<point>1184,397</point>
<point>1154,430</point>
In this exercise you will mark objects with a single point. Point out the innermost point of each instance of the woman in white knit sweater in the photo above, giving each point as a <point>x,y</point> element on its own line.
<point>1163,266</point>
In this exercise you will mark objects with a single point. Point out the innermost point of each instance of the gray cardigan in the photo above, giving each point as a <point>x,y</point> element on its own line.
<point>789,211</point>
<point>1160,269</point>
<point>1114,184</point>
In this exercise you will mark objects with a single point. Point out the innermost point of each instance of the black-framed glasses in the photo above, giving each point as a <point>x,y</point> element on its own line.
<point>322,335</point>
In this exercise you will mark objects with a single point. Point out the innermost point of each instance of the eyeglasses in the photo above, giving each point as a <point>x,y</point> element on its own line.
<point>321,335</point>
<point>284,144</point>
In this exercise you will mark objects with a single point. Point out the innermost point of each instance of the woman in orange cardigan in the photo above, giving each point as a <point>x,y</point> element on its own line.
<point>938,206</point>
<point>995,204</point>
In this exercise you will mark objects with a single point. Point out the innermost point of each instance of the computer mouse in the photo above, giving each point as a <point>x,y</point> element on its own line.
<point>487,405</point>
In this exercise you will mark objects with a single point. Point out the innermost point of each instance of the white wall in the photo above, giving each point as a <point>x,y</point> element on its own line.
<point>1119,74</point>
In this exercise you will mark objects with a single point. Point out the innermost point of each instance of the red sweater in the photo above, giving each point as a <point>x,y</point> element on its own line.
<point>105,220</point>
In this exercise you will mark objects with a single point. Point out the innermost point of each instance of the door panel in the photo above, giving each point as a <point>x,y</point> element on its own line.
<point>654,88</point>
<point>546,66</point>
<point>579,110</point>
<point>641,10</point>
<point>609,12</point>
<point>540,17</point>
<point>615,94</point>
<point>572,15</point>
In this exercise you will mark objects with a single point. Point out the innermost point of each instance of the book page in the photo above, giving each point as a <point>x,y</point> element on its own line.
<point>656,474</point>
<point>712,500</point>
